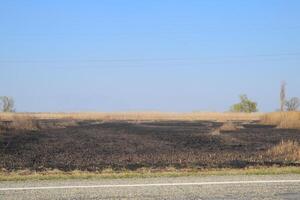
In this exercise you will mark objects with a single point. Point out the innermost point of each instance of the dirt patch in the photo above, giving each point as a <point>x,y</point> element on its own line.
<point>132,145</point>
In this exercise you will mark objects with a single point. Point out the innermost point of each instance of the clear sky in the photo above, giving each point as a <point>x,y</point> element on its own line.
<point>157,55</point>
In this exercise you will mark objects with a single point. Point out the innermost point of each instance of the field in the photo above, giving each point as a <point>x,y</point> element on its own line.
<point>136,116</point>
<point>96,144</point>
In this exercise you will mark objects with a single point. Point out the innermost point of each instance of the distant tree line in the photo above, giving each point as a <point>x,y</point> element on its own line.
<point>247,106</point>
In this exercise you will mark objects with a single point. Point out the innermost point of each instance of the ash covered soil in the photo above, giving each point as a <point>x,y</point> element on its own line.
<point>132,145</point>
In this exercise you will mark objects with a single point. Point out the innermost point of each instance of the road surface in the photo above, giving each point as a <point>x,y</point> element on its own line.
<point>202,187</point>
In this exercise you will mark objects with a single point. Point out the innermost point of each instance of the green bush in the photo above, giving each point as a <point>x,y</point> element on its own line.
<point>245,105</point>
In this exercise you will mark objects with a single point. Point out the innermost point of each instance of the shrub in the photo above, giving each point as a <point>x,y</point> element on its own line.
<point>292,104</point>
<point>245,105</point>
<point>7,104</point>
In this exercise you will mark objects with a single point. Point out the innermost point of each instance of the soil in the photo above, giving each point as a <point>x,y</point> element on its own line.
<point>131,145</point>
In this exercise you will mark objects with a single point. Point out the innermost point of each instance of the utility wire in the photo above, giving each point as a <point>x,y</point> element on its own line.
<point>138,60</point>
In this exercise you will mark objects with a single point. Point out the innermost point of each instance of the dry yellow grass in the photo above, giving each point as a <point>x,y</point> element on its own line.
<point>137,116</point>
<point>228,127</point>
<point>282,119</point>
<point>286,150</point>
<point>24,123</point>
<point>19,122</point>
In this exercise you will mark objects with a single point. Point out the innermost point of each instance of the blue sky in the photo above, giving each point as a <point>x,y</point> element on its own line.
<point>116,55</point>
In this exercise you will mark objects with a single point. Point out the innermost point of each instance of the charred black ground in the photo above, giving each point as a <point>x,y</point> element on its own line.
<point>132,145</point>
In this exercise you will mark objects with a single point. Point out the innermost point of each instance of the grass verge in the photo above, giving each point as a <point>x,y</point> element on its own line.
<point>142,173</point>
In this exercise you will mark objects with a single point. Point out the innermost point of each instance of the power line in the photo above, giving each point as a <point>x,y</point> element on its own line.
<point>140,60</point>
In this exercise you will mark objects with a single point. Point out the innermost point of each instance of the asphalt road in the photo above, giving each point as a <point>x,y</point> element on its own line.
<point>209,187</point>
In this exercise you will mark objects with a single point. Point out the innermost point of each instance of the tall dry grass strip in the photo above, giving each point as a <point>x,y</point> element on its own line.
<point>289,120</point>
<point>223,117</point>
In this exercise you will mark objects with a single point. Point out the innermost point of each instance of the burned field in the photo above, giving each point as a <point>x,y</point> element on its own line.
<point>131,145</point>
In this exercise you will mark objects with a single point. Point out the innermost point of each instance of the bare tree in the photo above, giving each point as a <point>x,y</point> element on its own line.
<point>293,104</point>
<point>8,104</point>
<point>282,95</point>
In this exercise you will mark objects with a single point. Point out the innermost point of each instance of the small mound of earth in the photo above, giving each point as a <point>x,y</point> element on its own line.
<point>226,127</point>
